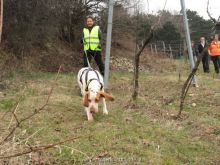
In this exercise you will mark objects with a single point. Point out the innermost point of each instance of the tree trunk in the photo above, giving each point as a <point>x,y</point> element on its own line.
<point>136,66</point>
<point>136,77</point>
<point>1,20</point>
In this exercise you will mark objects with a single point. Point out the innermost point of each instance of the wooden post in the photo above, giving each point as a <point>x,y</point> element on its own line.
<point>186,57</point>
<point>171,53</point>
<point>151,48</point>
<point>142,43</point>
<point>138,48</point>
<point>155,47</point>
<point>164,48</point>
<point>1,20</point>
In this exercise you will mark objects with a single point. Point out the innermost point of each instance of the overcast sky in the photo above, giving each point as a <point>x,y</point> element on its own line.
<point>174,5</point>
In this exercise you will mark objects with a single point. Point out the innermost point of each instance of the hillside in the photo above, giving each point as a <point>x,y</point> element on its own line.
<point>142,134</point>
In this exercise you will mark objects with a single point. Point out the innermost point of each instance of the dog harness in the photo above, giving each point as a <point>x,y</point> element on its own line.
<point>86,71</point>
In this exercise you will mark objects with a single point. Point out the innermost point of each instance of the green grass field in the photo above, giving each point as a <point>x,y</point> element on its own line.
<point>141,134</point>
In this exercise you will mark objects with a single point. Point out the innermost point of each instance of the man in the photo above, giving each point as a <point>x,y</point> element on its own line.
<point>194,51</point>
<point>92,44</point>
<point>214,52</point>
<point>205,59</point>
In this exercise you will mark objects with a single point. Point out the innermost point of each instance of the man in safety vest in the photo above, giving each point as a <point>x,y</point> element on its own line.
<point>214,52</point>
<point>92,44</point>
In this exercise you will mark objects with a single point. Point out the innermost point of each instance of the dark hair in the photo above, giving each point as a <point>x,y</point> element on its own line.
<point>91,17</point>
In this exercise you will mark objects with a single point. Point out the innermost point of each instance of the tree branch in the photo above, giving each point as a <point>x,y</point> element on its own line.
<point>137,57</point>
<point>18,123</point>
<point>207,9</point>
<point>189,81</point>
<point>38,148</point>
<point>136,66</point>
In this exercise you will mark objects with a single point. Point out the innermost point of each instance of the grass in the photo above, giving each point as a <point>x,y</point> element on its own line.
<point>6,104</point>
<point>142,134</point>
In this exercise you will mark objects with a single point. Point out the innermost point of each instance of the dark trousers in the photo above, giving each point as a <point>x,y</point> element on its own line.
<point>216,62</point>
<point>98,59</point>
<point>205,62</point>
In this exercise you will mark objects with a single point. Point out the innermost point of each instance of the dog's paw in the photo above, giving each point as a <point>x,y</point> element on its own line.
<point>90,119</point>
<point>105,112</point>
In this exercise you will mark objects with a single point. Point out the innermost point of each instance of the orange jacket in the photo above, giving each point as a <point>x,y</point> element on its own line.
<point>214,48</point>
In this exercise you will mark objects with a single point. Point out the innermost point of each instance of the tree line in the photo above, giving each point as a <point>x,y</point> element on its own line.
<point>30,24</point>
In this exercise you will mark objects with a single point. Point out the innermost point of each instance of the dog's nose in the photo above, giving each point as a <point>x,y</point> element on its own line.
<point>92,110</point>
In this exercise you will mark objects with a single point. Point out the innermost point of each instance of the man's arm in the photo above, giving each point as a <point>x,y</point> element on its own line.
<point>82,39</point>
<point>200,48</point>
<point>100,38</point>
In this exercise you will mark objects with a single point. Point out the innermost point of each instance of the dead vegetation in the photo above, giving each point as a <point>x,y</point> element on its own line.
<point>34,113</point>
<point>119,137</point>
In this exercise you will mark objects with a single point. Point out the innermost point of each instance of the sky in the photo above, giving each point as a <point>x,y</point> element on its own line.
<point>174,5</point>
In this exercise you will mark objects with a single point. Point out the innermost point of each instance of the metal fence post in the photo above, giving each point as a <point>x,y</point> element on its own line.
<point>108,43</point>
<point>188,40</point>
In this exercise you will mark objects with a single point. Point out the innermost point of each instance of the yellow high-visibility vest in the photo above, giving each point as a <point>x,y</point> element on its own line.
<point>91,39</point>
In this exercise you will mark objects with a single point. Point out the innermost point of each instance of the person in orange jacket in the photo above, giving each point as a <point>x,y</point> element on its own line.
<point>214,52</point>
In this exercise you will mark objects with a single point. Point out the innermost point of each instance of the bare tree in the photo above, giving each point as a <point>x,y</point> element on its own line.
<point>136,65</point>
<point>11,147</point>
<point>1,19</point>
<point>137,57</point>
<point>188,82</point>
<point>216,22</point>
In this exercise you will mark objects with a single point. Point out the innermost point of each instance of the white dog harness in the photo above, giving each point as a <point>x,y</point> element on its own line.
<point>86,72</point>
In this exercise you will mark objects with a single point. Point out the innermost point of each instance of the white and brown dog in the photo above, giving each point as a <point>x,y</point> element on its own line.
<point>91,85</point>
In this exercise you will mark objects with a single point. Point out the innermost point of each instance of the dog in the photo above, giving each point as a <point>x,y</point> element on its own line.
<point>92,89</point>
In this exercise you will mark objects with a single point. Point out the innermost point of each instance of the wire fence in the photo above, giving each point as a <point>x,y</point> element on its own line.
<point>173,49</point>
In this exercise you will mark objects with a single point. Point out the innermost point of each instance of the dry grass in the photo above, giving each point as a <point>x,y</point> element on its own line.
<point>142,134</point>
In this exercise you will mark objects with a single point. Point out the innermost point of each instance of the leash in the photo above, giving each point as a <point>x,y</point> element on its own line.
<point>86,56</point>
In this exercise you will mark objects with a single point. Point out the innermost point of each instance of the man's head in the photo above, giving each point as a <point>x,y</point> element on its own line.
<point>202,39</point>
<point>89,21</point>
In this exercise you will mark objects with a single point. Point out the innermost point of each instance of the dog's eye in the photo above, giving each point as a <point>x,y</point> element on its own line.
<point>89,100</point>
<point>96,100</point>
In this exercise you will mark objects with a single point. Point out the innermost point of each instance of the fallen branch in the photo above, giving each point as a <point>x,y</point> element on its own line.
<point>188,82</point>
<point>38,148</point>
<point>18,122</point>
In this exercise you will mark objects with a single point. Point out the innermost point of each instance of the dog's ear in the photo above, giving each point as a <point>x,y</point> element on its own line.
<point>86,99</point>
<point>97,98</point>
<point>106,95</point>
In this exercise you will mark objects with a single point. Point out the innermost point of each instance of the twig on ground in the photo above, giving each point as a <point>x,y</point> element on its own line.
<point>37,148</point>
<point>73,149</point>
<point>32,114</point>
<point>14,115</point>
<point>32,135</point>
